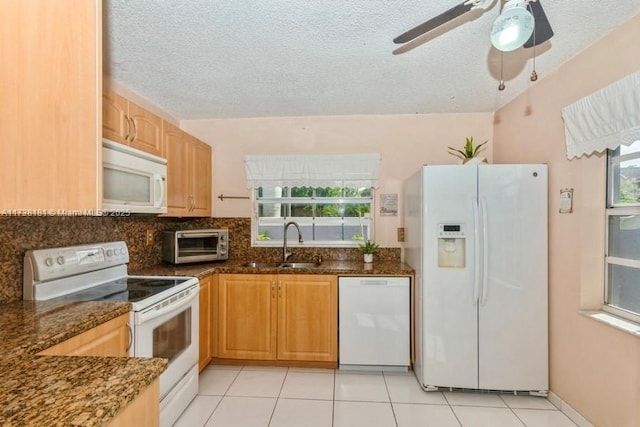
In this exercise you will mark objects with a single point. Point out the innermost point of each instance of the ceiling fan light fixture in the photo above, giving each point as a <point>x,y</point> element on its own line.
<point>513,27</point>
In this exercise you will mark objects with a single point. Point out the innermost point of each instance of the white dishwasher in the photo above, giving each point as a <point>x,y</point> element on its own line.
<point>374,317</point>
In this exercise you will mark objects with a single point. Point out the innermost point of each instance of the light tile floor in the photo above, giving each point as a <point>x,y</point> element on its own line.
<point>233,396</point>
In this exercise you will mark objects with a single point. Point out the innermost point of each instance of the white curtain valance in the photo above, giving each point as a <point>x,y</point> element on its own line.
<point>605,119</point>
<point>316,170</point>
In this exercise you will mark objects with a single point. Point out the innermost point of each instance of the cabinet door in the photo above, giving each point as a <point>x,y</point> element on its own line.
<point>204,342</point>
<point>115,123</point>
<point>177,153</point>
<point>146,134</point>
<point>49,108</point>
<point>112,338</point>
<point>200,177</point>
<point>307,318</point>
<point>247,313</point>
<point>143,411</point>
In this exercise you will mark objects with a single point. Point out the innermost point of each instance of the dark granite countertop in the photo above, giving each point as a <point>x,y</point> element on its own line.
<point>64,390</point>
<point>341,268</point>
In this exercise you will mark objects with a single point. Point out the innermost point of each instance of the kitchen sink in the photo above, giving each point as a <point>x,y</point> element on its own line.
<point>299,264</point>
<point>254,264</point>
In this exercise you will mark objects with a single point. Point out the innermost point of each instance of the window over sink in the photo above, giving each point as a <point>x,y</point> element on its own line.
<point>330,196</point>
<point>327,216</point>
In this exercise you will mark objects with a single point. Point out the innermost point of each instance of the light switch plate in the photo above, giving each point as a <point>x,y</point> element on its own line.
<point>400,234</point>
<point>566,200</point>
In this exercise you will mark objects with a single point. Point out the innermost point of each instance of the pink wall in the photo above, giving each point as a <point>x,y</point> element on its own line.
<point>594,367</point>
<point>405,142</point>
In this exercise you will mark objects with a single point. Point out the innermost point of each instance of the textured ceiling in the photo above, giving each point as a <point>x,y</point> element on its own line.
<point>200,59</point>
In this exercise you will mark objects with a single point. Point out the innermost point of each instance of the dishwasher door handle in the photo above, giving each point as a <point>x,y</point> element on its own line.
<point>374,282</point>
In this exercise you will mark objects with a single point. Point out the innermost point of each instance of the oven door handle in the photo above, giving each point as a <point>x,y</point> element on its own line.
<point>196,235</point>
<point>152,314</point>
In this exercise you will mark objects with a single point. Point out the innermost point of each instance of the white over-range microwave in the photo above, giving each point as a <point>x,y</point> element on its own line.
<point>133,181</point>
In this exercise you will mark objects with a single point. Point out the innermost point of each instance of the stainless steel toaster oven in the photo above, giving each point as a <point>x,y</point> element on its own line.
<point>185,246</point>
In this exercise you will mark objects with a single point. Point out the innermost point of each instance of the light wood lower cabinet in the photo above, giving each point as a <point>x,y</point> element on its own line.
<point>143,411</point>
<point>112,338</point>
<point>307,318</point>
<point>277,317</point>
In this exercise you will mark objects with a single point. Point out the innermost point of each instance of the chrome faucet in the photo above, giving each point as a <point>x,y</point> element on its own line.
<point>285,254</point>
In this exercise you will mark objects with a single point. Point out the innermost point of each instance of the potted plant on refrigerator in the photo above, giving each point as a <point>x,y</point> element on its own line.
<point>368,248</point>
<point>469,153</point>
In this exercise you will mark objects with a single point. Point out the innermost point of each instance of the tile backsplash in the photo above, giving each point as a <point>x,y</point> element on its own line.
<point>19,234</point>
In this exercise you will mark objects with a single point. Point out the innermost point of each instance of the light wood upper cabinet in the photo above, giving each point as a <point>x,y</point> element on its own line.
<point>50,104</point>
<point>111,338</point>
<point>125,122</point>
<point>189,170</point>
<point>200,176</point>
<point>278,317</point>
<point>178,200</point>
<point>147,130</point>
<point>115,120</point>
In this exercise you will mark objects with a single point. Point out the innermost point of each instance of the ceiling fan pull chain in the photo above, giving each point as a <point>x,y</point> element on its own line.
<point>501,86</point>
<point>534,75</point>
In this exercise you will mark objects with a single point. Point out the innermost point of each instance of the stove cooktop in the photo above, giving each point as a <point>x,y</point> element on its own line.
<point>131,289</point>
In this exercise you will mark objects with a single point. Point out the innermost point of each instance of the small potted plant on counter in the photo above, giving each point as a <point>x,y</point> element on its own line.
<point>469,153</point>
<point>368,248</point>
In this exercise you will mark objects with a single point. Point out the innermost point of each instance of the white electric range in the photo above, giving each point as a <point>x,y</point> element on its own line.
<point>164,315</point>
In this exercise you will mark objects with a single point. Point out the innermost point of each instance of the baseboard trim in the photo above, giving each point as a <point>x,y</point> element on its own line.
<point>566,409</point>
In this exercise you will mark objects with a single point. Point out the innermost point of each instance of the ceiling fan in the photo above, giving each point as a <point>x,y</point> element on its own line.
<point>524,14</point>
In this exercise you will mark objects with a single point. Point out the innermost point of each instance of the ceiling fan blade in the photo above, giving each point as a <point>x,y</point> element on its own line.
<point>432,23</point>
<point>542,28</point>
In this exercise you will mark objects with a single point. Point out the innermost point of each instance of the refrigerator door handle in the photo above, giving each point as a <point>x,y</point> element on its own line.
<point>485,252</point>
<point>477,255</point>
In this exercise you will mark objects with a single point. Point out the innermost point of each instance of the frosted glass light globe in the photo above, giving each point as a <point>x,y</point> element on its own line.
<point>513,27</point>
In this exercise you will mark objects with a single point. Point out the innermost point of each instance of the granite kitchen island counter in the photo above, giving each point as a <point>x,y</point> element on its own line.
<point>28,327</point>
<point>64,390</point>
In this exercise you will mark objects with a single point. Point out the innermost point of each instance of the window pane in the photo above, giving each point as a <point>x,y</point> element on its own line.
<point>270,210</point>
<point>624,288</point>
<point>302,192</point>
<point>329,232</point>
<point>329,192</point>
<point>624,236</point>
<point>292,233</point>
<point>302,210</point>
<point>354,232</point>
<point>624,173</point>
<point>329,210</point>
<point>356,209</point>
<point>270,232</point>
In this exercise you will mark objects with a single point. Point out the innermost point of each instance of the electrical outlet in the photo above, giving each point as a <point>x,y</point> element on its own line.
<point>400,234</point>
<point>150,237</point>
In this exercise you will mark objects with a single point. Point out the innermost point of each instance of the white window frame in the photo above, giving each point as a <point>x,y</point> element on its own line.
<point>355,221</point>
<point>617,209</point>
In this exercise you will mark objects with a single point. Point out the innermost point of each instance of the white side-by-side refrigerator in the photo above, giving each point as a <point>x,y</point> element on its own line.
<point>476,236</point>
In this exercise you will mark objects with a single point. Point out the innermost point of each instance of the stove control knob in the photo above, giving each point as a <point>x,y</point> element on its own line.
<point>60,260</point>
<point>48,262</point>
<point>109,252</point>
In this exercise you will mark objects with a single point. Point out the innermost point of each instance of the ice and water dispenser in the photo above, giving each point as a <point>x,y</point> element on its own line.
<point>451,246</point>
